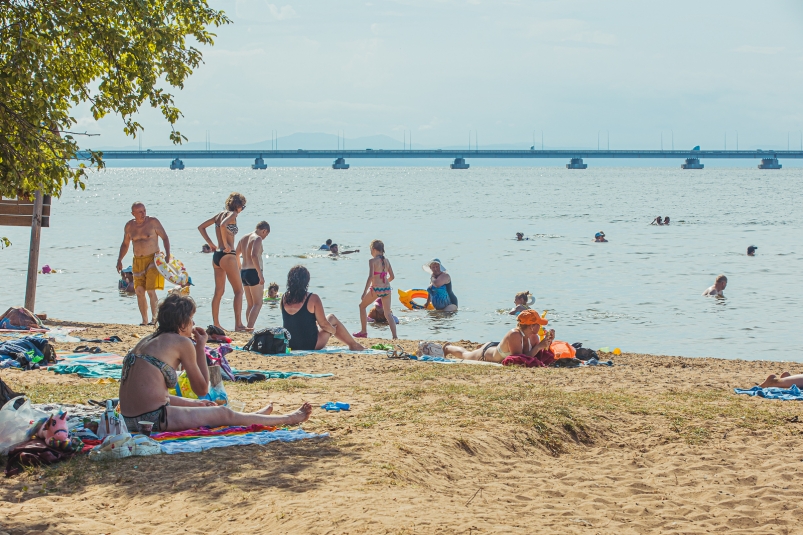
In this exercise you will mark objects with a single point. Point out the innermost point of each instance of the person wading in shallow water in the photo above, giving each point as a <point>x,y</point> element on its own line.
<point>144,232</point>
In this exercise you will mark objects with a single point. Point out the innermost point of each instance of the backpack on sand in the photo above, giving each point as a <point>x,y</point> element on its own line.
<point>271,341</point>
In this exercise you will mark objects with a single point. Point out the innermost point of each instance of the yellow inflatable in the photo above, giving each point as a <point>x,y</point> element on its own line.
<point>173,272</point>
<point>406,299</point>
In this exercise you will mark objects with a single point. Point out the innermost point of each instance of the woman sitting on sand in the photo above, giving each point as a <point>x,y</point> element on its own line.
<point>303,316</point>
<point>149,370</point>
<point>523,340</point>
<point>786,380</point>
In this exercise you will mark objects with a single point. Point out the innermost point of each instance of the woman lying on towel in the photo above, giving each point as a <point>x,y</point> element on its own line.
<point>786,380</point>
<point>523,340</point>
<point>149,370</point>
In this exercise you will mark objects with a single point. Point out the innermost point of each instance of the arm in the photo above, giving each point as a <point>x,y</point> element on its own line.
<point>256,257</point>
<point>350,252</point>
<point>320,315</point>
<point>187,402</point>
<point>370,276</point>
<point>160,231</point>
<point>202,229</point>
<point>123,248</point>
<point>391,275</point>
<point>549,336</point>
<point>193,360</point>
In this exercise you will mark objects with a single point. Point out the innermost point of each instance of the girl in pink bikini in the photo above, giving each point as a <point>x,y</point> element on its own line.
<point>380,273</point>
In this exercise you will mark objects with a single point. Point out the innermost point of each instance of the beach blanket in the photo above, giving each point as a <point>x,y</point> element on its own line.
<point>330,350</point>
<point>89,370</point>
<point>444,360</point>
<point>196,440</point>
<point>273,374</point>
<point>784,394</point>
<point>90,358</point>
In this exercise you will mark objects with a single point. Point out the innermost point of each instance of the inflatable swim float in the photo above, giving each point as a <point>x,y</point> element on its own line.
<point>406,299</point>
<point>173,271</point>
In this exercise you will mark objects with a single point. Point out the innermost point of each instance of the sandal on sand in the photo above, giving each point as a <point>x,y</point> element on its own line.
<point>86,349</point>
<point>359,335</point>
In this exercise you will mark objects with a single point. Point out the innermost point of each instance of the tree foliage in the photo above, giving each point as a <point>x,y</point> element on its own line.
<point>114,54</point>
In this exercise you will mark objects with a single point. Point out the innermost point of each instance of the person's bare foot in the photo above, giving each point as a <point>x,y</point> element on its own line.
<point>241,329</point>
<point>772,380</point>
<point>357,347</point>
<point>785,374</point>
<point>299,416</point>
<point>249,329</point>
<point>266,410</point>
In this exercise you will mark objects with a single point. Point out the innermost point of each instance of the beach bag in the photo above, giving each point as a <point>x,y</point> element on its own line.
<point>20,318</point>
<point>562,350</point>
<point>15,424</point>
<point>271,341</point>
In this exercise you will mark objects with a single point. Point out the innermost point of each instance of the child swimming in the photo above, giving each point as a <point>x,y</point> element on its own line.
<point>377,313</point>
<point>272,293</point>
<point>380,275</point>
<point>523,300</point>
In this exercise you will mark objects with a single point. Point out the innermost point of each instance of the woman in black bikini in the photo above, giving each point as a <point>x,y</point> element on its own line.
<point>150,369</point>
<point>224,260</point>
<point>303,316</point>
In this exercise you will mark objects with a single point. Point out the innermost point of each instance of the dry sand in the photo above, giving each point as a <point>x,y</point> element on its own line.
<point>653,445</point>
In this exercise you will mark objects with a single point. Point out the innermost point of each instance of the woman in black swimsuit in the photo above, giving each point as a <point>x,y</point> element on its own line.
<point>303,316</point>
<point>224,260</point>
<point>149,370</point>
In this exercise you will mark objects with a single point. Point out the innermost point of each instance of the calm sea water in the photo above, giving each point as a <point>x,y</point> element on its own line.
<point>641,291</point>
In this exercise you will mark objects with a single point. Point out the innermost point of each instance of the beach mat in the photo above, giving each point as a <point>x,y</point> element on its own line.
<point>444,360</point>
<point>273,374</point>
<point>88,371</point>
<point>197,440</point>
<point>784,394</point>
<point>89,358</point>
<point>331,350</point>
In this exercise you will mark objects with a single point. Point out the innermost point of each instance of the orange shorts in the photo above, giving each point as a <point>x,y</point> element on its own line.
<point>146,274</point>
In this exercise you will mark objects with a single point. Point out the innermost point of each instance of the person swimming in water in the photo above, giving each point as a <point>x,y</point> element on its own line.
<point>334,250</point>
<point>666,220</point>
<point>522,302</point>
<point>377,313</point>
<point>326,246</point>
<point>751,251</point>
<point>719,285</point>
<point>519,236</point>
<point>657,221</point>
<point>599,237</point>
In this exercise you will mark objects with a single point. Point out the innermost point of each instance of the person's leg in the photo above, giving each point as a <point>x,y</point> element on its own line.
<point>220,288</point>
<point>389,315</point>
<point>142,303</point>
<point>786,380</point>
<point>248,302</point>
<point>229,264</point>
<point>254,293</point>
<point>182,418</point>
<point>367,299</point>
<point>154,299</point>
<point>341,333</point>
<point>458,352</point>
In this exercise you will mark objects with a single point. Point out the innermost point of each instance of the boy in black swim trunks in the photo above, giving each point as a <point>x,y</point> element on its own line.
<point>250,249</point>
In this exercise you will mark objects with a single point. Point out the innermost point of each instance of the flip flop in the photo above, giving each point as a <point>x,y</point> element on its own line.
<point>86,349</point>
<point>359,335</point>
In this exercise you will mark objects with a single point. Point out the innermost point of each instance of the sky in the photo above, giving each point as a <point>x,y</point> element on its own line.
<point>438,71</point>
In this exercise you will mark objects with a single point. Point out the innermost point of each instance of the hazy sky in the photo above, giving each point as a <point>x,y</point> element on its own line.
<point>502,68</point>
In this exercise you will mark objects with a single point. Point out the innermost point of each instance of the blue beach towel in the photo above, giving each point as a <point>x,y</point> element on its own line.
<point>263,437</point>
<point>784,394</point>
<point>272,374</point>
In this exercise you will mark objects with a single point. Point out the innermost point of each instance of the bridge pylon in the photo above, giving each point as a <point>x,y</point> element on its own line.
<point>259,163</point>
<point>177,165</point>
<point>340,163</point>
<point>769,163</point>
<point>459,163</point>
<point>692,163</point>
<point>576,163</point>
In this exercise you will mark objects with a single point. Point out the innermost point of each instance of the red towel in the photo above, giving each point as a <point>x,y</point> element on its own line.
<point>542,359</point>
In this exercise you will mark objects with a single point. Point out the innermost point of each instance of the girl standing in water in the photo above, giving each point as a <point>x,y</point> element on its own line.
<point>225,262</point>
<point>380,274</point>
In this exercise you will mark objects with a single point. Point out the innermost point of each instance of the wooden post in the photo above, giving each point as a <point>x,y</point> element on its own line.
<point>33,254</point>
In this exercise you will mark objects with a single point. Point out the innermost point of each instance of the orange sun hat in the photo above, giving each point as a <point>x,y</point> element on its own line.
<point>531,317</point>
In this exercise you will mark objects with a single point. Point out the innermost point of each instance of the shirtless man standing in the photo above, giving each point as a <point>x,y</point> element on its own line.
<point>145,232</point>
<point>250,249</point>
<point>716,290</point>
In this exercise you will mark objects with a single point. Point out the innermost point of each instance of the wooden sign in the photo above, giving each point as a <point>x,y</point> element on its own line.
<point>34,213</point>
<point>19,212</point>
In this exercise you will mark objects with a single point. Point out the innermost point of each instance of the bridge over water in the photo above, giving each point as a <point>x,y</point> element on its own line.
<point>769,158</point>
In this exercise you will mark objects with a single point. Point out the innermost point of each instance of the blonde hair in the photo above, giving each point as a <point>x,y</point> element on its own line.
<point>523,295</point>
<point>377,245</point>
<point>235,200</point>
<point>721,278</point>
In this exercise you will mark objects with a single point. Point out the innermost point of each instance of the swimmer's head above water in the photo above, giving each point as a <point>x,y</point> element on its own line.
<point>519,236</point>
<point>751,251</point>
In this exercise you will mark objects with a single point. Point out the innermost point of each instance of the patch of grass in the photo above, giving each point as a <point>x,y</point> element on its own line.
<point>63,393</point>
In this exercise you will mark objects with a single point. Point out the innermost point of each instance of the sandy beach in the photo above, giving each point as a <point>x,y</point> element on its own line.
<point>655,444</point>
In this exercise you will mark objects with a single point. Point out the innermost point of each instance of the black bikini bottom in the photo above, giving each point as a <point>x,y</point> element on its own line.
<point>216,257</point>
